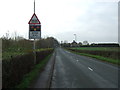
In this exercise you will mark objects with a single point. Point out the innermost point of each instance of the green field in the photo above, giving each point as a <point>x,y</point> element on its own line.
<point>99,48</point>
<point>108,54</point>
<point>100,58</point>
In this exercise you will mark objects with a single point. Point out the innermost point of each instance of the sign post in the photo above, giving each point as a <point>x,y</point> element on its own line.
<point>34,52</point>
<point>34,30</point>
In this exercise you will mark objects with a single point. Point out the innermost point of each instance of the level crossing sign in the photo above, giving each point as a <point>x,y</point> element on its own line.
<point>34,27</point>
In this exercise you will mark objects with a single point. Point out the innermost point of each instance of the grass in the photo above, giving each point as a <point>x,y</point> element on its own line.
<point>7,55</point>
<point>31,76</point>
<point>43,49</point>
<point>14,52</point>
<point>98,48</point>
<point>113,61</point>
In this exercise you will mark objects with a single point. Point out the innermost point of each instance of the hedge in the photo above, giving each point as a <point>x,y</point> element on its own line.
<point>109,54</point>
<point>14,69</point>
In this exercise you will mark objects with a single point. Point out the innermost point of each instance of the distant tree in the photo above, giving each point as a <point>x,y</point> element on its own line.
<point>61,42</point>
<point>93,44</point>
<point>19,38</point>
<point>18,43</point>
<point>85,43</point>
<point>80,44</point>
<point>74,44</point>
<point>7,35</point>
<point>49,42</point>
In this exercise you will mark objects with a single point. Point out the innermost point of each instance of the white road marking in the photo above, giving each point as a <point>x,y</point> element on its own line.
<point>90,68</point>
<point>67,52</point>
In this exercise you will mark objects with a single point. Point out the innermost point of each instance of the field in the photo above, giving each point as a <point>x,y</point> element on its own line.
<point>99,48</point>
<point>109,54</point>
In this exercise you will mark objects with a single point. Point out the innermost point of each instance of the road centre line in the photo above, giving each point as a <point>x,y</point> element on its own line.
<point>90,69</point>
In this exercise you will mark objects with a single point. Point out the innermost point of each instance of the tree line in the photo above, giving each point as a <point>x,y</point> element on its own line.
<point>86,44</point>
<point>22,44</point>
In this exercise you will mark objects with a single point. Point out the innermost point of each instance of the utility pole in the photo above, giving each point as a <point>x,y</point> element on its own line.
<point>34,51</point>
<point>34,42</point>
<point>34,6</point>
<point>75,37</point>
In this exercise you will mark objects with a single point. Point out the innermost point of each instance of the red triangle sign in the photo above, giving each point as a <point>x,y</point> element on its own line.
<point>34,20</point>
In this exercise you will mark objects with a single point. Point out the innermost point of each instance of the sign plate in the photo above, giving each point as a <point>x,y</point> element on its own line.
<point>34,31</point>
<point>35,27</point>
<point>34,35</point>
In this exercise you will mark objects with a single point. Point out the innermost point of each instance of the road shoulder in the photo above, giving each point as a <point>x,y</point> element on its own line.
<point>44,78</point>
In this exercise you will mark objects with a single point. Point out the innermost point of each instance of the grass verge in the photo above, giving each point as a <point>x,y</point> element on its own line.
<point>31,76</point>
<point>98,48</point>
<point>113,61</point>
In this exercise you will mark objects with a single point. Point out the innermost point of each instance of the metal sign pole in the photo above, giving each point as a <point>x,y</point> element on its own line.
<point>34,31</point>
<point>34,6</point>
<point>34,52</point>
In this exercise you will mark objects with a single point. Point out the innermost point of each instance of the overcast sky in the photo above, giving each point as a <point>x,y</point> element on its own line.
<point>91,20</point>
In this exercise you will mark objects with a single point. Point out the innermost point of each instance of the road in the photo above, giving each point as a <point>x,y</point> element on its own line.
<point>75,71</point>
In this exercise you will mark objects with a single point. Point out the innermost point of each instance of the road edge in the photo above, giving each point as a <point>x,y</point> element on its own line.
<point>51,72</point>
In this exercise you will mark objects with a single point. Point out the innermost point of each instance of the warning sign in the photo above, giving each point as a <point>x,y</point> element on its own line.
<point>34,28</point>
<point>34,20</point>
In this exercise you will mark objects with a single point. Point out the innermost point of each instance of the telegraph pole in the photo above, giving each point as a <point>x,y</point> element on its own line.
<point>34,6</point>
<point>75,37</point>
<point>34,42</point>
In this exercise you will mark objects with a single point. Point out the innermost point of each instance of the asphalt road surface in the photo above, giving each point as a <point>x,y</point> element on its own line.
<point>75,71</point>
